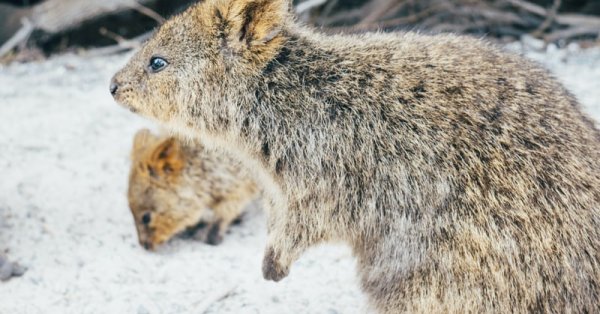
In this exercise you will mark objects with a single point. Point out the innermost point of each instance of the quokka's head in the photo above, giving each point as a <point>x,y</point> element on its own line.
<point>189,68</point>
<point>162,201</point>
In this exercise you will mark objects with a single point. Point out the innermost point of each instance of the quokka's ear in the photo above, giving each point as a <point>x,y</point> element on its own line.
<point>142,139</point>
<point>250,25</point>
<point>167,159</point>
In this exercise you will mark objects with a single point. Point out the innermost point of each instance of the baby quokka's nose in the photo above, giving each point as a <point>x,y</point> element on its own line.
<point>148,246</point>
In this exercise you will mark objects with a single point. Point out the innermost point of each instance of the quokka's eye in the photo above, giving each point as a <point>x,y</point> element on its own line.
<point>146,218</point>
<point>157,64</point>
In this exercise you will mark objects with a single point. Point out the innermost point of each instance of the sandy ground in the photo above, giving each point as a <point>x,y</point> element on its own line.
<point>64,148</point>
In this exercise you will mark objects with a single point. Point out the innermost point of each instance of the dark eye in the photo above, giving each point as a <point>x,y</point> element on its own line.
<point>146,218</point>
<point>157,64</point>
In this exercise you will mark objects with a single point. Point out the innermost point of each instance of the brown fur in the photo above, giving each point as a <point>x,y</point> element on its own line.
<point>465,178</point>
<point>175,183</point>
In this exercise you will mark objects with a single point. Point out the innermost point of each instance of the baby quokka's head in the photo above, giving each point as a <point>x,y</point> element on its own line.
<point>197,61</point>
<point>161,200</point>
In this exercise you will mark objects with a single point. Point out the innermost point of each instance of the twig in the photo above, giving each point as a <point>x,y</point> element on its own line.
<point>307,5</point>
<point>489,14</point>
<point>19,37</point>
<point>148,12</point>
<point>449,27</point>
<point>391,23</point>
<point>563,19</point>
<point>578,20</point>
<point>106,51</point>
<point>329,7</point>
<point>377,9</point>
<point>530,7</point>
<point>208,302</point>
<point>550,18</point>
<point>341,17</point>
<point>122,45</point>
<point>114,36</point>
<point>572,32</point>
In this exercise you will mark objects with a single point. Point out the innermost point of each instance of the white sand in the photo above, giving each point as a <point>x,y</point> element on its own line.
<point>64,149</point>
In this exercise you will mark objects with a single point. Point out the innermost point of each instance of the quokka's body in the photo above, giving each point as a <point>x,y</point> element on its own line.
<point>177,186</point>
<point>464,178</point>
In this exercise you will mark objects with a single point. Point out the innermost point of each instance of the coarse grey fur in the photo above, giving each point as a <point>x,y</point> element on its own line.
<point>465,178</point>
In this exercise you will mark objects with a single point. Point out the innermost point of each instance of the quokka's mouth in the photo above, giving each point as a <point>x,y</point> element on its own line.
<point>132,109</point>
<point>126,106</point>
<point>120,93</point>
<point>153,245</point>
<point>148,246</point>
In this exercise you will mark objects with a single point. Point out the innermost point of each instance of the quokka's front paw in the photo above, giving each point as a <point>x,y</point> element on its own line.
<point>198,232</point>
<point>272,268</point>
<point>209,233</point>
<point>215,236</point>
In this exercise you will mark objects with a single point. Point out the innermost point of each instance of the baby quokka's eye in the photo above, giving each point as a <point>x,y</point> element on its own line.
<point>146,218</point>
<point>157,64</point>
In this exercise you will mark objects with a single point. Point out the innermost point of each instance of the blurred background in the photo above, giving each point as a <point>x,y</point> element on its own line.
<point>34,29</point>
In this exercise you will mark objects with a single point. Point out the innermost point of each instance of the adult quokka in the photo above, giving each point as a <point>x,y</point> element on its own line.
<point>465,178</point>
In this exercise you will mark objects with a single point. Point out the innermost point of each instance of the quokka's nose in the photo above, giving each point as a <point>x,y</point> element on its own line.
<point>113,88</point>
<point>147,245</point>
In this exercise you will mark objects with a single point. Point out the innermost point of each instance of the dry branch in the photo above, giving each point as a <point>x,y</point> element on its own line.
<point>54,16</point>
<point>58,19</point>
<point>499,18</point>
<point>570,33</point>
<point>378,8</point>
<point>550,17</point>
<point>307,5</point>
<point>20,36</point>
<point>149,13</point>
<point>122,45</point>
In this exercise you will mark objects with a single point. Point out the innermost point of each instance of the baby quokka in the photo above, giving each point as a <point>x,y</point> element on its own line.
<point>177,187</point>
<point>464,178</point>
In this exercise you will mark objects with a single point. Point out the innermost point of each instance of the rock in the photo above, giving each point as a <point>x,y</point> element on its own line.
<point>9,270</point>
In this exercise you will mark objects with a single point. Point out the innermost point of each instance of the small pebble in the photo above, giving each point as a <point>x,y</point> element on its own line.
<point>9,270</point>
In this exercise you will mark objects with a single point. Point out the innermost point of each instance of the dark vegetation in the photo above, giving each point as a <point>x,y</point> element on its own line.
<point>31,29</point>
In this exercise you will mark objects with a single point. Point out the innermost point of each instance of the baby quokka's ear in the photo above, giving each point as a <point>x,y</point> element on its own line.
<point>142,139</point>
<point>167,159</point>
<point>251,28</point>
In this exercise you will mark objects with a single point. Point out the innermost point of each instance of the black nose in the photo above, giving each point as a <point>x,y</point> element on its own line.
<point>113,88</point>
